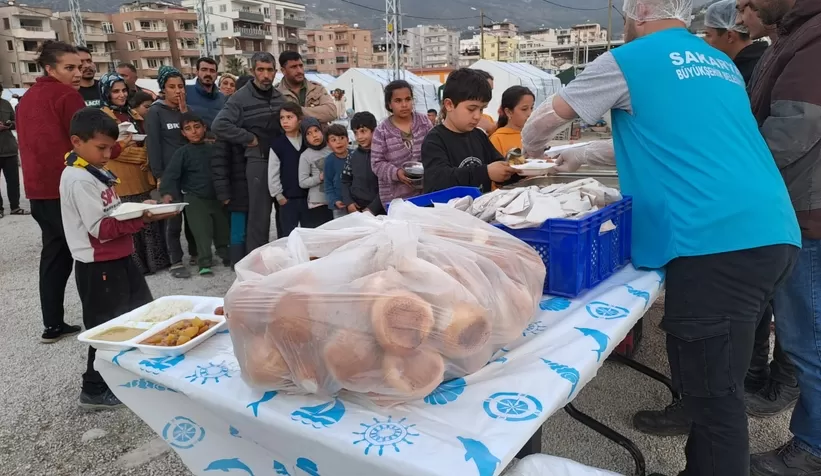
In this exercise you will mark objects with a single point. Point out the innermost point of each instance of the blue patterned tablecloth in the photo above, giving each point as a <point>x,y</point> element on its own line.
<point>200,405</point>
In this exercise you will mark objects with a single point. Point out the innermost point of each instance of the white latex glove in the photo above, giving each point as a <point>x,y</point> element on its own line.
<point>570,160</point>
<point>599,153</point>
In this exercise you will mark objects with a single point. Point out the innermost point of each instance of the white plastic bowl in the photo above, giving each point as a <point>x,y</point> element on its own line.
<point>178,349</point>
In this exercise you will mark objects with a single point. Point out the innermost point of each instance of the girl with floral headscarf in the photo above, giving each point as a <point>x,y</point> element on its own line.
<point>131,167</point>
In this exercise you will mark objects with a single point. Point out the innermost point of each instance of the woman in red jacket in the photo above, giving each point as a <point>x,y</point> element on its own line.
<point>43,119</point>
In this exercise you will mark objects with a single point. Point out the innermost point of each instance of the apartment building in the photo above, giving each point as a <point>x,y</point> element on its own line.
<point>432,46</point>
<point>152,34</point>
<point>379,56</point>
<point>23,30</point>
<point>99,34</point>
<point>240,28</point>
<point>337,47</point>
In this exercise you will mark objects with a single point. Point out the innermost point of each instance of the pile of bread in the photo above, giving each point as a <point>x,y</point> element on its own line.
<point>386,307</point>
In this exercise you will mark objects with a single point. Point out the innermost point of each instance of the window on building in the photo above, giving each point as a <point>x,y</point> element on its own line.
<point>32,67</point>
<point>223,8</point>
<point>108,28</point>
<point>9,45</point>
<point>266,11</point>
<point>320,37</point>
<point>6,24</point>
<point>13,67</point>
<point>224,26</point>
<point>321,61</point>
<point>354,36</point>
<point>132,45</point>
<point>152,63</point>
<point>145,25</point>
<point>127,26</point>
<point>212,27</point>
<point>150,45</point>
<point>211,10</point>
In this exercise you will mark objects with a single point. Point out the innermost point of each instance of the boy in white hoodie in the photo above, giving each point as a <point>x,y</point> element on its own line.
<point>312,173</point>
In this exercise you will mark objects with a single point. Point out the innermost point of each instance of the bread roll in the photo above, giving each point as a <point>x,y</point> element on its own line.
<point>467,331</point>
<point>354,359</point>
<point>401,321</point>
<point>414,375</point>
<point>264,365</point>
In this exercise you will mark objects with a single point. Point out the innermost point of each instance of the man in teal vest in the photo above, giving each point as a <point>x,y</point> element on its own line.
<point>709,205</point>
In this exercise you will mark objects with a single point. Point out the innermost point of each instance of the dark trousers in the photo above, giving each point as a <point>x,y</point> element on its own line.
<point>209,223</point>
<point>318,216</point>
<point>8,167</point>
<point>780,370</point>
<point>713,305</point>
<point>293,213</point>
<point>55,261</point>
<point>173,230</point>
<point>259,204</point>
<point>107,289</point>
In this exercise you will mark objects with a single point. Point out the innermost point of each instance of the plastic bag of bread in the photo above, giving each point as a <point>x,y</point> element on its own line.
<point>384,307</point>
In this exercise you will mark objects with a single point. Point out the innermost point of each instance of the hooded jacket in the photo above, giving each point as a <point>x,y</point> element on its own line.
<point>748,58</point>
<point>786,101</point>
<point>45,112</point>
<point>163,136</point>
<point>228,171</point>
<point>505,139</point>
<point>204,104</point>
<point>312,166</point>
<point>249,113</point>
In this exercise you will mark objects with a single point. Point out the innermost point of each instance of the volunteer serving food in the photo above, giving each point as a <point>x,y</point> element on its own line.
<point>708,203</point>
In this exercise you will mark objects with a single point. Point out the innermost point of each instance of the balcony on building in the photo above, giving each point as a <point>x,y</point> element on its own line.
<point>341,39</point>
<point>294,22</point>
<point>29,27</point>
<point>249,32</point>
<point>245,14</point>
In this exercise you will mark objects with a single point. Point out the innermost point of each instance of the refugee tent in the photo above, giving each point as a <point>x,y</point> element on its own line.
<point>505,75</point>
<point>364,90</point>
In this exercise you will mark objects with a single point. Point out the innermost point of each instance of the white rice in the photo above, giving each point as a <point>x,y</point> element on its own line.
<point>159,311</point>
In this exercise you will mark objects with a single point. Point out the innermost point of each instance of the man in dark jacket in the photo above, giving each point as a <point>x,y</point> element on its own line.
<point>725,34</point>
<point>203,97</point>
<point>786,102</point>
<point>8,159</point>
<point>228,171</point>
<point>250,119</point>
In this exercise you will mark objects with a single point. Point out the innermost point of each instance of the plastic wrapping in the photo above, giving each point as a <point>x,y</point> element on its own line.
<point>385,307</point>
<point>600,153</point>
<point>651,10</point>
<point>546,465</point>
<point>723,15</point>
<point>540,128</point>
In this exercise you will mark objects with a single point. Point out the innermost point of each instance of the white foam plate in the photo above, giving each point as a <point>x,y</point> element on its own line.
<point>556,150</point>
<point>136,210</point>
<point>88,335</point>
<point>177,349</point>
<point>534,168</point>
<point>138,137</point>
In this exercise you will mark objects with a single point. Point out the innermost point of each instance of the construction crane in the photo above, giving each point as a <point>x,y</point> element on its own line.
<point>393,33</point>
<point>77,27</point>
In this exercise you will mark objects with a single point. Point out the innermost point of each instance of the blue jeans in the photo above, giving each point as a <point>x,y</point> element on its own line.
<point>798,326</point>
<point>238,221</point>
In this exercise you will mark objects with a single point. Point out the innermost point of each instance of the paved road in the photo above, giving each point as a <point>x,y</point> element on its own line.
<point>42,430</point>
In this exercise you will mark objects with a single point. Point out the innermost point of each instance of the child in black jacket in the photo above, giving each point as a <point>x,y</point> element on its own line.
<point>360,187</point>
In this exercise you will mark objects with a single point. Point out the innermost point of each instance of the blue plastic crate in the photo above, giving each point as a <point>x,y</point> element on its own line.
<point>444,196</point>
<point>576,254</point>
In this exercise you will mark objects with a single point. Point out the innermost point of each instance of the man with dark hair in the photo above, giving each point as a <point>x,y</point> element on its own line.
<point>250,119</point>
<point>787,105</point>
<point>725,34</point>
<point>203,97</point>
<point>128,72</point>
<point>313,97</point>
<point>8,158</point>
<point>89,89</point>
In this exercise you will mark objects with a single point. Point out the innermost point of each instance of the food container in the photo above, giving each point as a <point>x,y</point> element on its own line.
<point>178,349</point>
<point>130,211</point>
<point>415,172</point>
<point>89,336</point>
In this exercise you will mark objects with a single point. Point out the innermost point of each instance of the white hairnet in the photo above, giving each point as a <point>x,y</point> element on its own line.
<point>723,15</point>
<point>650,10</point>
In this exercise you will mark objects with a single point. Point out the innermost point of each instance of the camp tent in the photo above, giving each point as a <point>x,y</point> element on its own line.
<point>321,78</point>
<point>505,75</point>
<point>364,90</point>
<point>8,93</point>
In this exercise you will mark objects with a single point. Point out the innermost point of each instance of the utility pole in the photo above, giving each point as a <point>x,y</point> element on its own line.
<point>609,23</point>
<point>393,31</point>
<point>203,29</point>
<point>77,27</point>
<point>274,33</point>
<point>482,34</point>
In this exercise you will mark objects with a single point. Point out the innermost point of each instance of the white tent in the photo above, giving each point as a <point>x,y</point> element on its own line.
<point>321,78</point>
<point>364,90</point>
<point>505,75</point>
<point>8,93</point>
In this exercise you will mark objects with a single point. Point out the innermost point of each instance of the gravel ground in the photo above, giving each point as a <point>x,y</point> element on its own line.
<point>41,428</point>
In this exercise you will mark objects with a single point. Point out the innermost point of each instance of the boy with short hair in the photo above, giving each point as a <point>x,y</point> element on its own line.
<point>108,281</point>
<point>456,152</point>
<point>334,164</point>
<point>283,171</point>
<point>360,186</point>
<point>190,173</point>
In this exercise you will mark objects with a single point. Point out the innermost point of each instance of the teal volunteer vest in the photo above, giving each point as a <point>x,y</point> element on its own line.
<point>702,178</point>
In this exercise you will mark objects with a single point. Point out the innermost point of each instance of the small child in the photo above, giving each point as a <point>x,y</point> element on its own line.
<point>360,187</point>
<point>283,171</point>
<point>190,172</point>
<point>334,164</point>
<point>456,152</point>
<point>312,173</point>
<point>516,108</point>
<point>108,281</point>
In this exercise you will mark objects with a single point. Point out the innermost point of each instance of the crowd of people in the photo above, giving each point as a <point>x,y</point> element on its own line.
<point>726,200</point>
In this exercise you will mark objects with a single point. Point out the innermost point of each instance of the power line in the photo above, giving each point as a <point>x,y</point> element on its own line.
<point>573,8</point>
<point>406,15</point>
